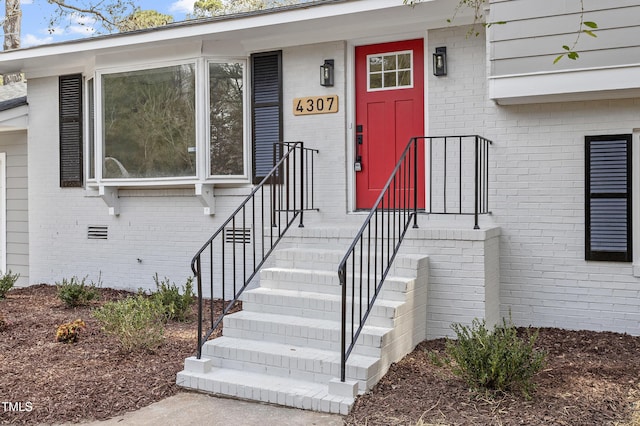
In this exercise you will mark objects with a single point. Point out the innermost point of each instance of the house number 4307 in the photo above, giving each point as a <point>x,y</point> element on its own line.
<point>315,105</point>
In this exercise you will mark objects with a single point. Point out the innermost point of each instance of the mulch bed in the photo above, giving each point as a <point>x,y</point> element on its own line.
<point>89,380</point>
<point>591,378</point>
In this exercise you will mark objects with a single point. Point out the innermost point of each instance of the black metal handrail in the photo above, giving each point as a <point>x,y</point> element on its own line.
<point>453,162</point>
<point>237,250</point>
<point>374,248</point>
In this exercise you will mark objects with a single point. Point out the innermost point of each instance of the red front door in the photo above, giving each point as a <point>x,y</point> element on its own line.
<point>389,112</point>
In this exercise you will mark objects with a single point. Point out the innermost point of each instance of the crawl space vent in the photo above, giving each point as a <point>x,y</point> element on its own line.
<point>97,232</point>
<point>237,235</point>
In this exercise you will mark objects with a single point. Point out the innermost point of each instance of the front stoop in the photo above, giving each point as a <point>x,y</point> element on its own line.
<point>284,346</point>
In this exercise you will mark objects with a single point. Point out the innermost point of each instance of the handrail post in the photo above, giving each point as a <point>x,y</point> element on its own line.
<point>301,225</point>
<point>199,279</point>
<point>415,182</point>
<point>273,189</point>
<point>343,339</point>
<point>477,184</point>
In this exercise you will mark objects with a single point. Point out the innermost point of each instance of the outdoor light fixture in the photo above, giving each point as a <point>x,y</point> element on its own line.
<point>440,62</point>
<point>326,73</point>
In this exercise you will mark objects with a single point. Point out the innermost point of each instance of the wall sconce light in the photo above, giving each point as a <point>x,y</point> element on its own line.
<point>440,61</point>
<point>326,73</point>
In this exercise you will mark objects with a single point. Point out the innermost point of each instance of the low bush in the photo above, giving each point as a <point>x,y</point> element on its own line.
<point>76,292</point>
<point>498,360</point>
<point>137,322</point>
<point>176,303</point>
<point>70,332</point>
<point>6,283</point>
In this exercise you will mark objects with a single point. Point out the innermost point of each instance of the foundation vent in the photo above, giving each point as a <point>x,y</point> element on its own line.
<point>97,232</point>
<point>237,235</point>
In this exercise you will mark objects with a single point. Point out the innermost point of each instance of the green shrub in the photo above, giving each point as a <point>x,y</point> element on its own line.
<point>6,283</point>
<point>176,304</point>
<point>137,322</point>
<point>70,332</point>
<point>498,360</point>
<point>75,292</point>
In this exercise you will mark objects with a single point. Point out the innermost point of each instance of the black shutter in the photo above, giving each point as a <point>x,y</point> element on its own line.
<point>266,105</point>
<point>70,89</point>
<point>608,198</point>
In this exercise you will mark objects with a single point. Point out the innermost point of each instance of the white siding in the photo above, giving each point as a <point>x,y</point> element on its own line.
<point>536,30</point>
<point>14,144</point>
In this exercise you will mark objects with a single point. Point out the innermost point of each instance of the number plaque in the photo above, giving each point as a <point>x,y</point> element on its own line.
<point>315,105</point>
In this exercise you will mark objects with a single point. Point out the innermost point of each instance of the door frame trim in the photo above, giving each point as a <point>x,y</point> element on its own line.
<point>350,91</point>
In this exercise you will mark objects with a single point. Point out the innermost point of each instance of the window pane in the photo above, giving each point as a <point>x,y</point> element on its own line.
<point>390,79</point>
<point>375,64</point>
<point>404,78</point>
<point>375,81</point>
<point>390,62</point>
<point>404,61</point>
<point>226,118</point>
<point>149,123</point>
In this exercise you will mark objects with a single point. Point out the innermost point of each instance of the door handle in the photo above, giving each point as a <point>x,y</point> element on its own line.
<point>357,166</point>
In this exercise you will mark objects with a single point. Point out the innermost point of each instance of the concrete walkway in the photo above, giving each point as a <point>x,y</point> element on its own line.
<point>193,409</point>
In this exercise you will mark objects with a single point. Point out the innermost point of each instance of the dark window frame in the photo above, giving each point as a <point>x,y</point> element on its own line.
<point>601,255</point>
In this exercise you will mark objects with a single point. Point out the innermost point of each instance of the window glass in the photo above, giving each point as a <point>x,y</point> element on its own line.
<point>389,62</point>
<point>375,63</point>
<point>226,118</point>
<point>149,123</point>
<point>390,71</point>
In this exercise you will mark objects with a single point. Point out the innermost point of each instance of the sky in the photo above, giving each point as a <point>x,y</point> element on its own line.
<point>36,14</point>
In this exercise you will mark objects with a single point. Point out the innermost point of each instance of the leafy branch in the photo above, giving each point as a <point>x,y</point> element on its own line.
<point>585,27</point>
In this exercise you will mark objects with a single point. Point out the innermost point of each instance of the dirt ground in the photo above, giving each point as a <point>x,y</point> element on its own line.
<point>591,378</point>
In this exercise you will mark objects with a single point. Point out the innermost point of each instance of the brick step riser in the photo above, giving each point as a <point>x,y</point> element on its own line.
<point>296,369</point>
<point>323,363</point>
<point>322,402</point>
<point>329,260</point>
<point>369,345</point>
<point>391,289</point>
<point>380,316</point>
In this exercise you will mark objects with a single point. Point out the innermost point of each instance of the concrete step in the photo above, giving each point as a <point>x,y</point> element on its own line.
<point>306,332</point>
<point>296,362</point>
<point>266,388</point>
<point>319,281</point>
<point>404,265</point>
<point>284,346</point>
<point>307,304</point>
